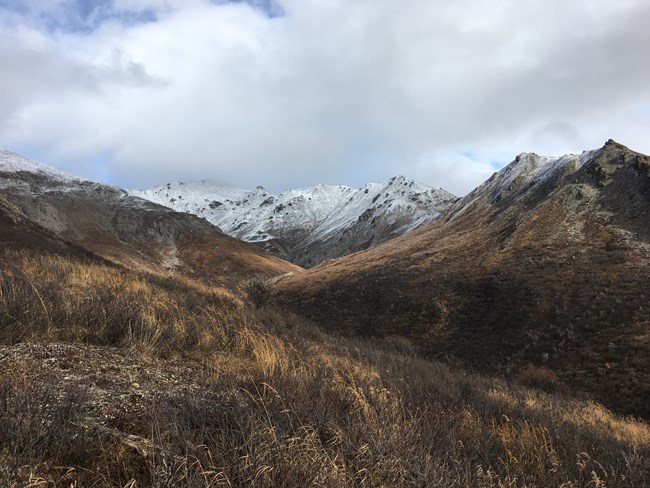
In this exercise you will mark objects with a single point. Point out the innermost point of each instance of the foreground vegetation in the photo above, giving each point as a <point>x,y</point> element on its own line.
<point>109,377</point>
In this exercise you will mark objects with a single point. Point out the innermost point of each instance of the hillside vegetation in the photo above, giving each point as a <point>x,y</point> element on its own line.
<point>546,263</point>
<point>130,379</point>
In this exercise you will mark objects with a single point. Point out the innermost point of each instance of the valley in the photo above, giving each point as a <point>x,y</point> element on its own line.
<point>500,339</point>
<point>544,264</point>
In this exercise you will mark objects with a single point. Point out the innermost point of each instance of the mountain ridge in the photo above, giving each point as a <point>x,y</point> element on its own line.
<point>109,222</point>
<point>310,225</point>
<point>548,271</point>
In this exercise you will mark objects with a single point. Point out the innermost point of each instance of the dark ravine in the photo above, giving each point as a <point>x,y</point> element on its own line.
<point>548,268</point>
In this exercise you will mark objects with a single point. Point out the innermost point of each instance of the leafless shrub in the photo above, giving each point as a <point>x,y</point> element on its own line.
<point>541,377</point>
<point>259,292</point>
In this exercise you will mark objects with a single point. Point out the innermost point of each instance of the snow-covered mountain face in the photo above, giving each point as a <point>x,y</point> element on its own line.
<point>20,175</point>
<point>20,172</point>
<point>309,225</point>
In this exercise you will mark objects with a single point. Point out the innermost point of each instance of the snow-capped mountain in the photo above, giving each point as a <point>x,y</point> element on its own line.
<point>312,224</point>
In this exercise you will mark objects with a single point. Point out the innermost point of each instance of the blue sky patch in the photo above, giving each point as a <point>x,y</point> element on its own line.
<point>474,156</point>
<point>78,15</point>
<point>270,8</point>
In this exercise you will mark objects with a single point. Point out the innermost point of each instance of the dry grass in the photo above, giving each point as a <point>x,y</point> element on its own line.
<point>555,277</point>
<point>279,402</point>
<point>58,298</point>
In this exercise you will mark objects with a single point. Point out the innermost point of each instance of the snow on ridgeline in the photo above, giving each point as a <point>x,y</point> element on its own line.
<point>306,225</point>
<point>14,163</point>
<point>525,171</point>
<point>307,214</point>
<point>530,168</point>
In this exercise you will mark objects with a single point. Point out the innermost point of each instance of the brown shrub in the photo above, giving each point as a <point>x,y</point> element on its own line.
<point>540,377</point>
<point>259,292</point>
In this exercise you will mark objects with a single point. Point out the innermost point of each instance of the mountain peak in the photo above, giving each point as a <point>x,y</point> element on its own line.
<point>11,162</point>
<point>525,155</point>
<point>399,180</point>
<point>526,169</point>
<point>613,143</point>
<point>308,225</point>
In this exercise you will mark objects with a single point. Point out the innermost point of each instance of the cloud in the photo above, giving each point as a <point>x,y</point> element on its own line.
<point>297,92</point>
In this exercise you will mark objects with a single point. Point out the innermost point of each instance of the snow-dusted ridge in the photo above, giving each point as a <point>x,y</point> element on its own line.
<point>525,171</point>
<point>309,225</point>
<point>297,220</point>
<point>14,163</point>
<point>305,225</point>
<point>530,168</point>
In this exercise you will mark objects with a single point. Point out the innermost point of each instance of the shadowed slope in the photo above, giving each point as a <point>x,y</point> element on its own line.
<point>547,264</point>
<point>110,377</point>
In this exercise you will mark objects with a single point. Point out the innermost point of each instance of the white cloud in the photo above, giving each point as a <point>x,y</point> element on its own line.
<point>334,91</point>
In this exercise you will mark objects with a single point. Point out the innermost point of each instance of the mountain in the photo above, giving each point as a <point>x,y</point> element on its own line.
<point>309,225</point>
<point>547,263</point>
<point>64,211</point>
<point>121,364</point>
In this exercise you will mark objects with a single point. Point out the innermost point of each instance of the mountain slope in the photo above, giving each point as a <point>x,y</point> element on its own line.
<point>309,225</point>
<point>126,378</point>
<point>547,263</point>
<point>111,376</point>
<point>110,223</point>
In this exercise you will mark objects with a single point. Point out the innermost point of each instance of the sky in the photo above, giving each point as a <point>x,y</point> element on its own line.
<point>292,93</point>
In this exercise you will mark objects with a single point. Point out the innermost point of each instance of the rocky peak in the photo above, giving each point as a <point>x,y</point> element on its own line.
<point>295,222</point>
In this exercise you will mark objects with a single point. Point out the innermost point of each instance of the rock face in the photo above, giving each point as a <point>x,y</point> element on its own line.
<point>547,263</point>
<point>310,225</point>
<point>122,228</point>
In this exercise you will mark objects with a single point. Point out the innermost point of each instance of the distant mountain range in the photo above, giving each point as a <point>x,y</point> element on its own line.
<point>309,225</point>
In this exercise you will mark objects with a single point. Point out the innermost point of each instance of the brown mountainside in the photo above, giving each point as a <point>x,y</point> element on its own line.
<point>546,266</point>
<point>41,211</point>
<point>136,375</point>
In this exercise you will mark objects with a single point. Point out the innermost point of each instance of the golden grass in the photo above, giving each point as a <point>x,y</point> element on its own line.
<point>282,403</point>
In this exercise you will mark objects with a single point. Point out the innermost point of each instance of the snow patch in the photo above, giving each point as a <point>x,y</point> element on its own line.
<point>13,163</point>
<point>316,212</point>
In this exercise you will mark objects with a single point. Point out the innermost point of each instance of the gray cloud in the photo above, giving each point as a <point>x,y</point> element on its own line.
<point>336,92</point>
